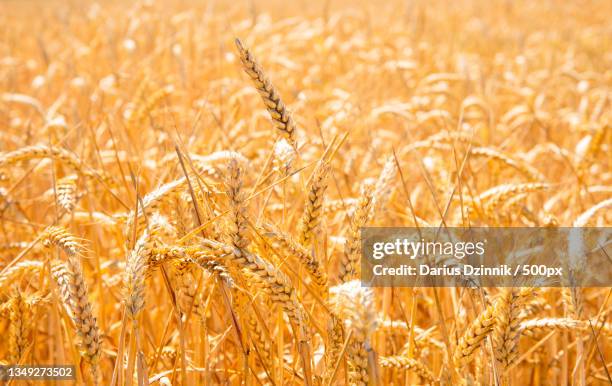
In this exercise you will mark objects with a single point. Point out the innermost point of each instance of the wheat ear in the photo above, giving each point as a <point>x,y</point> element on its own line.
<point>473,336</point>
<point>209,260</point>
<point>16,272</point>
<point>384,185</point>
<point>66,193</point>
<point>69,278</point>
<point>403,362</point>
<point>533,326</point>
<point>287,244</point>
<point>42,151</point>
<point>260,339</point>
<point>186,277</point>
<point>284,155</point>
<point>60,237</point>
<point>265,274</point>
<point>354,306</point>
<point>497,195</point>
<point>144,108</point>
<point>276,284</point>
<point>313,209</point>
<point>276,108</point>
<point>135,271</point>
<point>584,219</point>
<point>333,347</point>
<point>401,327</point>
<point>20,316</point>
<point>349,267</point>
<point>507,322</point>
<point>239,223</point>
<point>151,202</point>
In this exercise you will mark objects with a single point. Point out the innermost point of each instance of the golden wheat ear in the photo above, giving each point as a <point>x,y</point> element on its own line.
<point>279,113</point>
<point>66,190</point>
<point>354,306</point>
<point>472,338</point>
<point>20,328</point>
<point>313,208</point>
<point>405,363</point>
<point>350,267</point>
<point>74,294</point>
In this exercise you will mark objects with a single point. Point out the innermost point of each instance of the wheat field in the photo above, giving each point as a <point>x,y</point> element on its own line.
<point>183,184</point>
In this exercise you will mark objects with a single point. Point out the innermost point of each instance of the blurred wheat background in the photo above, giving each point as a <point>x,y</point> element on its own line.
<point>181,208</point>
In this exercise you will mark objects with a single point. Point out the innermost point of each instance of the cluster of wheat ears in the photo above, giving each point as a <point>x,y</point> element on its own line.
<point>159,224</point>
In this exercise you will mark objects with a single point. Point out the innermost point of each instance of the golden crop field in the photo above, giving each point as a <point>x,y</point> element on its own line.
<point>183,184</point>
